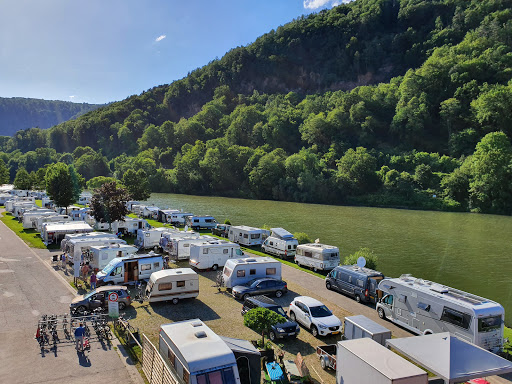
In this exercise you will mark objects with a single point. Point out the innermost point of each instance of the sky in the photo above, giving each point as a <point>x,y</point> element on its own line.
<point>98,51</point>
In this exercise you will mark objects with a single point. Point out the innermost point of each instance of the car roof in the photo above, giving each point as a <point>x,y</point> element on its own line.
<point>110,288</point>
<point>263,300</point>
<point>309,301</point>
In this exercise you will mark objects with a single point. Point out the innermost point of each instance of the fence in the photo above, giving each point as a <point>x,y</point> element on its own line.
<point>154,367</point>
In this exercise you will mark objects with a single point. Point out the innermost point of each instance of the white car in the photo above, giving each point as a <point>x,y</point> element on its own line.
<point>315,316</point>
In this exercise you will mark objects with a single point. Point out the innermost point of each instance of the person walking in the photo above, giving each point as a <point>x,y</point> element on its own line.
<point>93,280</point>
<point>63,260</point>
<point>79,337</point>
<point>85,272</point>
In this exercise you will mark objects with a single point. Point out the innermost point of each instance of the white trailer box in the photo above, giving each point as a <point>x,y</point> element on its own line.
<point>179,248</point>
<point>240,271</point>
<point>364,361</point>
<point>179,218</point>
<point>172,285</point>
<point>78,246</point>
<point>197,354</point>
<point>198,222</point>
<point>248,236</point>
<point>281,243</point>
<point>53,233</point>
<point>30,218</point>
<point>317,256</point>
<point>129,225</point>
<point>65,243</point>
<point>149,238</point>
<point>213,254</point>
<point>101,255</point>
<point>357,327</point>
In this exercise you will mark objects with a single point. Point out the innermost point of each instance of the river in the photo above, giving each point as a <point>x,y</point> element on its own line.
<point>471,252</point>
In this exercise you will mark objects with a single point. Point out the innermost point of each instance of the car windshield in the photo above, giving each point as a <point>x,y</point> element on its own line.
<point>320,311</point>
<point>251,283</point>
<point>93,292</point>
<point>109,267</point>
<point>279,311</point>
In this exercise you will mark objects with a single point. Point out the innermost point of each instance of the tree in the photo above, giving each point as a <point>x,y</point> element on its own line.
<point>367,253</point>
<point>22,179</point>
<point>98,181</point>
<point>137,184</point>
<point>59,185</point>
<point>40,178</point>
<point>108,203</point>
<point>424,176</point>
<point>4,173</point>
<point>356,171</point>
<point>78,182</point>
<point>261,320</point>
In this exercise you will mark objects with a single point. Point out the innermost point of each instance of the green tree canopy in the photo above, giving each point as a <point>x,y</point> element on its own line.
<point>261,320</point>
<point>4,173</point>
<point>137,184</point>
<point>367,253</point>
<point>22,179</point>
<point>59,185</point>
<point>108,203</point>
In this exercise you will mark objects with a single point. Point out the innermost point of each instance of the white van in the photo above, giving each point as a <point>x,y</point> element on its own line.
<point>281,243</point>
<point>320,257</point>
<point>101,255</point>
<point>213,254</point>
<point>130,269</point>
<point>248,236</point>
<point>198,222</point>
<point>240,271</point>
<point>172,285</point>
<point>149,238</point>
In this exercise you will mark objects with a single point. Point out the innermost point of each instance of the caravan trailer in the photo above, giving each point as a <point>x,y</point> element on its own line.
<point>196,354</point>
<point>65,243</point>
<point>130,204</point>
<point>85,198</point>
<point>149,238</point>
<point>101,255</point>
<point>240,271</point>
<point>150,212</point>
<point>318,256</point>
<point>247,236</point>
<point>169,236</point>
<point>179,218</point>
<point>179,248</point>
<point>130,269</point>
<point>129,225</point>
<point>172,285</point>
<point>76,247</point>
<point>53,233</point>
<point>164,215</point>
<point>425,307</point>
<point>30,218</point>
<point>198,222</point>
<point>280,243</point>
<point>51,219</point>
<point>213,254</point>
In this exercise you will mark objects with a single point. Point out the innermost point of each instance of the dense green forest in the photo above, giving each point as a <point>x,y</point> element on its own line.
<point>18,113</point>
<point>377,102</point>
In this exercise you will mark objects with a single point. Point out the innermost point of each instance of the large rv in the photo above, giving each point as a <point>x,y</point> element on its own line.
<point>130,269</point>
<point>198,222</point>
<point>196,355</point>
<point>320,257</point>
<point>53,233</point>
<point>75,247</point>
<point>241,271</point>
<point>248,236</point>
<point>30,218</point>
<point>101,255</point>
<point>179,248</point>
<point>425,307</point>
<point>213,254</point>
<point>280,243</point>
<point>149,238</point>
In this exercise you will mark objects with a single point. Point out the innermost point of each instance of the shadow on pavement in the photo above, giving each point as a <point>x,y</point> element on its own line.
<point>183,309</point>
<point>83,359</point>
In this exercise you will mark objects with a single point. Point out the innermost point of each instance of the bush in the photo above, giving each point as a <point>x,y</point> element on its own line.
<point>260,320</point>
<point>227,222</point>
<point>302,237</point>
<point>367,253</point>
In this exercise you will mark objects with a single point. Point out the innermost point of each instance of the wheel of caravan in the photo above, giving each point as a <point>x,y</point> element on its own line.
<point>175,301</point>
<point>215,267</point>
<point>381,313</point>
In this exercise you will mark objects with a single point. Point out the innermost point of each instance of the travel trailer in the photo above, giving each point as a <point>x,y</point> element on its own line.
<point>46,202</point>
<point>55,218</point>
<point>425,307</point>
<point>64,244</point>
<point>101,255</point>
<point>172,234</point>
<point>198,222</point>
<point>149,238</point>
<point>80,214</point>
<point>53,233</point>
<point>130,269</point>
<point>241,271</point>
<point>213,254</point>
<point>85,198</point>
<point>66,210</point>
<point>75,247</point>
<point>19,206</point>
<point>130,204</point>
<point>30,218</point>
<point>352,280</point>
<point>138,209</point>
<point>196,354</point>
<point>179,248</point>
<point>9,203</point>
<point>319,257</point>
<point>164,215</point>
<point>172,285</point>
<point>248,236</point>
<point>281,243</point>
<point>129,225</point>
<point>179,218</point>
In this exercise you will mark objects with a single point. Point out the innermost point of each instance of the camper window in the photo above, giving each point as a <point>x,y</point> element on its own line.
<point>246,236</point>
<point>360,283</point>
<point>456,318</point>
<point>224,376</point>
<point>208,220</point>
<point>489,323</point>
<point>425,307</point>
<point>180,283</point>
<point>171,357</point>
<point>402,298</point>
<point>306,253</point>
<point>205,251</point>
<point>240,273</point>
<point>225,251</point>
<point>145,267</point>
<point>165,286</point>
<point>252,271</point>
<point>255,236</point>
<point>227,272</point>
<point>271,271</point>
<point>271,243</point>
<point>156,265</point>
<point>289,247</point>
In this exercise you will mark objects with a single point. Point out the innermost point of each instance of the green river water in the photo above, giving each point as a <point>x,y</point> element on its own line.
<point>467,251</point>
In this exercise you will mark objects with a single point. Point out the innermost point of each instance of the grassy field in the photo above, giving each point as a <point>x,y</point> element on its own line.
<point>151,222</point>
<point>29,236</point>
<point>508,335</point>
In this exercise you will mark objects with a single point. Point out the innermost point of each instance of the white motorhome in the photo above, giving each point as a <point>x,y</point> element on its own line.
<point>169,236</point>
<point>85,198</point>
<point>75,247</point>
<point>30,218</point>
<point>425,307</point>
<point>150,212</point>
<point>4,197</point>
<point>129,225</point>
<point>100,256</point>
<point>179,218</point>
<point>179,248</point>
<point>149,238</point>
<point>80,214</point>
<point>172,285</point>
<point>213,254</point>
<point>65,243</point>
<point>198,222</point>
<point>130,269</point>
<point>280,243</point>
<point>18,207</point>
<point>66,210</point>
<point>130,204</point>
<point>196,355</point>
<point>248,236</point>
<point>241,271</point>
<point>320,257</point>
<point>53,233</point>
<point>51,219</point>
<point>46,202</point>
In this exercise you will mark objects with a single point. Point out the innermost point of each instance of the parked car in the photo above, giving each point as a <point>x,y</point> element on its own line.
<point>278,331</point>
<point>221,230</point>
<point>260,286</point>
<point>315,316</point>
<point>99,298</point>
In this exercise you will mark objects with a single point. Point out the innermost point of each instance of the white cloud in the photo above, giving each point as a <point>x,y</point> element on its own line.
<point>315,4</point>
<point>72,96</point>
<point>160,38</point>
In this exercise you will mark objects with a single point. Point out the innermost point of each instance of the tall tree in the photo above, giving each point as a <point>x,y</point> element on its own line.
<point>4,173</point>
<point>137,184</point>
<point>59,185</point>
<point>22,179</point>
<point>78,182</point>
<point>108,203</point>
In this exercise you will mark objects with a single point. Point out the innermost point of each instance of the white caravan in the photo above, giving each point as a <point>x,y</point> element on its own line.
<point>130,204</point>
<point>213,254</point>
<point>85,198</point>
<point>51,219</point>
<point>9,204</point>
<point>172,285</point>
<point>75,247</point>
<point>100,256</point>
<point>280,243</point>
<point>53,233</point>
<point>138,209</point>
<point>179,218</point>
<point>248,236</point>
<point>130,269</point>
<point>196,354</point>
<point>64,244</point>
<point>320,257</point>
<point>150,212</point>
<point>80,214</point>
<point>164,215</point>
<point>198,222</point>
<point>46,202</point>
<point>241,271</point>
<point>30,218</point>
<point>179,248</point>
<point>425,307</point>
<point>172,234</point>
<point>18,207</point>
<point>129,225</point>
<point>66,210</point>
<point>149,238</point>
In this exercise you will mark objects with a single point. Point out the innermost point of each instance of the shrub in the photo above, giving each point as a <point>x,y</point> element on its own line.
<point>367,253</point>
<point>260,320</point>
<point>302,237</point>
<point>227,222</point>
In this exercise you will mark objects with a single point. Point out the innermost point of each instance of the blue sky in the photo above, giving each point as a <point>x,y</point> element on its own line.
<point>97,51</point>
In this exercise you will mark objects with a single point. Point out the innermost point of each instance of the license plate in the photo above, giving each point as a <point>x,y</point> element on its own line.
<point>291,334</point>
<point>335,332</point>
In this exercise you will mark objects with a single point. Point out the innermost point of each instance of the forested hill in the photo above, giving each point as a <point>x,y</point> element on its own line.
<point>18,113</point>
<point>377,102</point>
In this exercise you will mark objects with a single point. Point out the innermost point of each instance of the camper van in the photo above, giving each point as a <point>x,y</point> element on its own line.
<point>179,248</point>
<point>213,254</point>
<point>75,247</point>
<point>101,255</point>
<point>425,307</point>
<point>351,280</point>
<point>241,271</point>
<point>172,285</point>
<point>320,257</point>
<point>53,233</point>
<point>247,236</point>
<point>198,222</point>
<point>280,243</point>
<point>149,238</point>
<point>196,354</point>
<point>130,269</point>
<point>30,218</point>
<point>178,218</point>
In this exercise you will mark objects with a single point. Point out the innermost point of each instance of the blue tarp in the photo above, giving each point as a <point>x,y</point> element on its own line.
<point>274,371</point>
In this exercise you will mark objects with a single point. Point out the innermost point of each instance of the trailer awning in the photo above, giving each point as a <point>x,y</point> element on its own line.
<point>451,358</point>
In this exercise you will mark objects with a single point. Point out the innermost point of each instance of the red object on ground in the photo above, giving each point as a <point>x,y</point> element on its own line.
<point>479,381</point>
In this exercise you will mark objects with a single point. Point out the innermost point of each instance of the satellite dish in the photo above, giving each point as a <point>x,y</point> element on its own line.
<point>317,241</point>
<point>186,228</point>
<point>361,262</point>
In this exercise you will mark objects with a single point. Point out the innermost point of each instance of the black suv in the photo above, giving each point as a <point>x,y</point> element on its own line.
<point>278,331</point>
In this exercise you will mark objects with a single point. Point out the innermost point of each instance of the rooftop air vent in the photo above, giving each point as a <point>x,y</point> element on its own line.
<point>196,324</point>
<point>250,260</point>
<point>200,334</point>
<point>439,288</point>
<point>179,272</point>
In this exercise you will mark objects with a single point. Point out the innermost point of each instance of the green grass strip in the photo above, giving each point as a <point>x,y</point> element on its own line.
<point>29,236</point>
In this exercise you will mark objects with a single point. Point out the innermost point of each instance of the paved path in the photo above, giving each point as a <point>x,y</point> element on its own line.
<point>28,288</point>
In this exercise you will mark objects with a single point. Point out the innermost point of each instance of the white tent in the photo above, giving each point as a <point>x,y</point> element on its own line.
<point>452,359</point>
